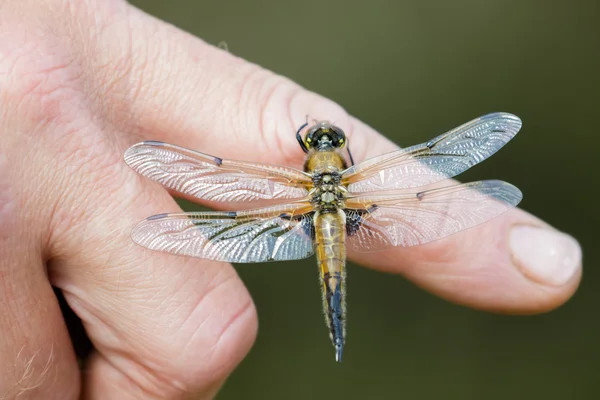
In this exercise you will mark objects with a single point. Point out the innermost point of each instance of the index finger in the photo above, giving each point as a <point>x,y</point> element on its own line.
<point>514,263</point>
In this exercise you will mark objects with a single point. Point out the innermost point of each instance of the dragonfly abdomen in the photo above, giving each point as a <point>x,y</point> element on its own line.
<point>330,236</point>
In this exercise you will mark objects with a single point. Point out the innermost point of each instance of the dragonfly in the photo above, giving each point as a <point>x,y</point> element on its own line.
<point>392,200</point>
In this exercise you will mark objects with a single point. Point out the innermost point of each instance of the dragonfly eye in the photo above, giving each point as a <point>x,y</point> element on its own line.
<point>312,137</point>
<point>339,137</point>
<point>325,135</point>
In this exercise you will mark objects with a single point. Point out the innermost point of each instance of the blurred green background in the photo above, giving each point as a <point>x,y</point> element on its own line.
<point>414,69</point>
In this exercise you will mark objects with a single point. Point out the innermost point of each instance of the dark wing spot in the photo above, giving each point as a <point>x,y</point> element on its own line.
<point>285,216</point>
<point>499,130</point>
<point>353,221</point>
<point>420,195</point>
<point>157,216</point>
<point>218,161</point>
<point>232,214</point>
<point>307,225</point>
<point>354,218</point>
<point>372,207</point>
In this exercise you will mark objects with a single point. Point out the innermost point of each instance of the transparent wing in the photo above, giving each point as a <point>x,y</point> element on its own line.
<point>443,157</point>
<point>378,222</point>
<point>210,178</point>
<point>283,232</point>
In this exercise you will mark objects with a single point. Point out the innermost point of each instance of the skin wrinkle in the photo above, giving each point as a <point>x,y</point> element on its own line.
<point>208,87</point>
<point>215,82</point>
<point>102,258</point>
<point>225,328</point>
<point>8,205</point>
<point>9,303</point>
<point>111,81</point>
<point>46,92</point>
<point>14,244</point>
<point>193,51</point>
<point>94,320</point>
<point>362,145</point>
<point>272,100</point>
<point>247,310</point>
<point>112,256</point>
<point>151,379</point>
<point>139,55</point>
<point>93,50</point>
<point>104,17</point>
<point>248,95</point>
<point>189,285</point>
<point>209,290</point>
<point>122,384</point>
<point>223,277</point>
<point>114,348</point>
<point>12,52</point>
<point>155,82</point>
<point>51,99</point>
<point>87,158</point>
<point>22,249</point>
<point>215,88</point>
<point>222,98</point>
<point>164,302</point>
<point>146,382</point>
<point>156,376</point>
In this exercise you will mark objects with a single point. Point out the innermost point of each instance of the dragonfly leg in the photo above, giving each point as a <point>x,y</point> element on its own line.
<point>299,137</point>
<point>350,155</point>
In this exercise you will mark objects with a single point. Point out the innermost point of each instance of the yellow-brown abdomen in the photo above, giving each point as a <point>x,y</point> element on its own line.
<point>330,236</point>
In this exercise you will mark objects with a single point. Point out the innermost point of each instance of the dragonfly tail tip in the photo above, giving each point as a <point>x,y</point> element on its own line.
<point>338,352</point>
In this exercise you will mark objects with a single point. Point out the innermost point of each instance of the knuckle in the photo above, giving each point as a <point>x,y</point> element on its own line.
<point>220,339</point>
<point>53,125</point>
<point>205,336</point>
<point>288,102</point>
<point>35,87</point>
<point>277,118</point>
<point>210,344</point>
<point>275,107</point>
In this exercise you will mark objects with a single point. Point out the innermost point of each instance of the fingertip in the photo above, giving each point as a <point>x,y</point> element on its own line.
<point>544,255</point>
<point>490,267</point>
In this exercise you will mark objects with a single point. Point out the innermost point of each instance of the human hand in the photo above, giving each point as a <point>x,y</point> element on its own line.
<point>81,81</point>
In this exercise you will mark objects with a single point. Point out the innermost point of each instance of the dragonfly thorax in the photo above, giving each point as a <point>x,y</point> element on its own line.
<point>328,193</point>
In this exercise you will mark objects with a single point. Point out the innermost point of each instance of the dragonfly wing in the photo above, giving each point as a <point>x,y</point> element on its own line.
<point>211,178</point>
<point>283,232</point>
<point>377,222</point>
<point>443,157</point>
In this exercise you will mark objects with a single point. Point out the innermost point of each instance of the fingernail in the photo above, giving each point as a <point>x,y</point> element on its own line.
<point>544,255</point>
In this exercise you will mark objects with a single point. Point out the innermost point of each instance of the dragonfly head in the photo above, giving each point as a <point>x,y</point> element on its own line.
<point>324,135</point>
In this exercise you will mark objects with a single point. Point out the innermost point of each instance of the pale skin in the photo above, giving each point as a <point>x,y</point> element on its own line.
<point>81,81</point>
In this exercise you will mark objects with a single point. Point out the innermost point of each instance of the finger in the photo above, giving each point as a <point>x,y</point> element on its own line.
<point>198,96</point>
<point>249,113</point>
<point>514,263</point>
<point>36,356</point>
<point>163,326</point>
